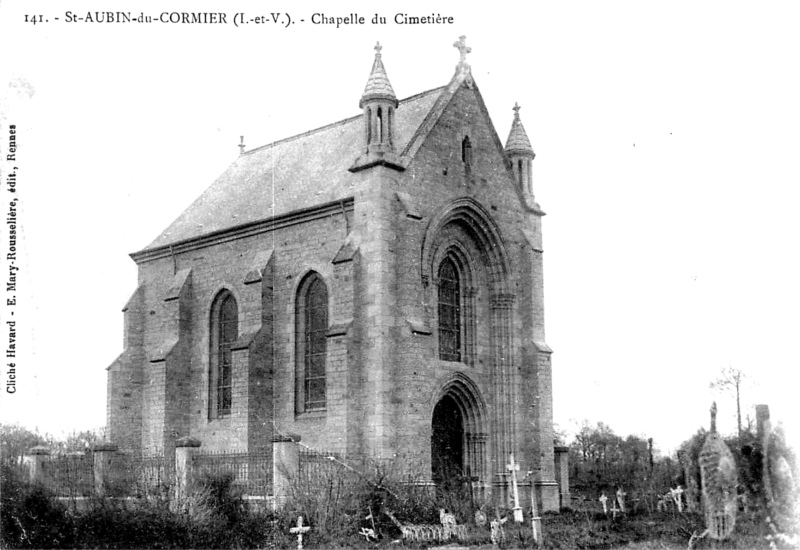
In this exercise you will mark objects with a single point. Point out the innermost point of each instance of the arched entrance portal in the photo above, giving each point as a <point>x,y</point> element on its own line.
<point>458,439</point>
<point>447,442</point>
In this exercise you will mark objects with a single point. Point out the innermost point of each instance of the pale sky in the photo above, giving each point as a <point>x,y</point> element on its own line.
<point>666,134</point>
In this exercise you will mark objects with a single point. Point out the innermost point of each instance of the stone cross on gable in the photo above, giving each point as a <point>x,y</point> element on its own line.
<point>300,530</point>
<point>463,49</point>
<point>513,467</point>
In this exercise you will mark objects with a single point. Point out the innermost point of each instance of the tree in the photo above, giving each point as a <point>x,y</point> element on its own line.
<point>731,379</point>
<point>82,441</point>
<point>16,441</point>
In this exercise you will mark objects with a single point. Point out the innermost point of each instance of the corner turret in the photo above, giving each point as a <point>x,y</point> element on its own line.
<point>378,103</point>
<point>520,153</point>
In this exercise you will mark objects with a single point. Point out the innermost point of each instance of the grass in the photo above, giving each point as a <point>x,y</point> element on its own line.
<point>337,509</point>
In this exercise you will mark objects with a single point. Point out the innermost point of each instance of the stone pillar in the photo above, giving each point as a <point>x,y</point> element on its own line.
<point>285,467</point>
<point>185,449</point>
<point>36,458</point>
<point>102,453</point>
<point>503,389</point>
<point>562,475</point>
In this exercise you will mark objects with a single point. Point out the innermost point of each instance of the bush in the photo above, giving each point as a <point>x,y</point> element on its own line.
<point>31,515</point>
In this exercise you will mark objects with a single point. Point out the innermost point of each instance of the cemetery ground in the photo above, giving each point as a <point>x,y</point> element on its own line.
<point>218,517</point>
<point>622,494</point>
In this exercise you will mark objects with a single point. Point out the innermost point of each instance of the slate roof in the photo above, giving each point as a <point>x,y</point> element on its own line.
<point>518,141</point>
<point>292,174</point>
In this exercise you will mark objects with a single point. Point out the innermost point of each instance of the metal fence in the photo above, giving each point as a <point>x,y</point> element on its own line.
<point>69,475</point>
<point>315,465</point>
<point>252,472</point>
<point>128,475</point>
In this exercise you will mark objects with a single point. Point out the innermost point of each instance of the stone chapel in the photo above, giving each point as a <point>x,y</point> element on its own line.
<point>374,285</point>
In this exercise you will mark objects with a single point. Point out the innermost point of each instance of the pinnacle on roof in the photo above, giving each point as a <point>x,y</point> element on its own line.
<point>463,50</point>
<point>378,85</point>
<point>518,141</point>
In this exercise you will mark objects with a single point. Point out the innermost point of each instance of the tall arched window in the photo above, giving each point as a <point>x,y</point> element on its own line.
<point>466,153</point>
<point>449,311</point>
<point>311,338</point>
<point>224,333</point>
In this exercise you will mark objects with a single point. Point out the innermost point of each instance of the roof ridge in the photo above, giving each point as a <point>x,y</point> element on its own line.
<point>331,125</point>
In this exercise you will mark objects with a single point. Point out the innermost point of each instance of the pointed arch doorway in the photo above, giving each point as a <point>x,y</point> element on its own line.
<point>458,440</point>
<point>447,443</point>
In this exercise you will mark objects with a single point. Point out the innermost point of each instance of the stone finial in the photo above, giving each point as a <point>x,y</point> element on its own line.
<point>241,145</point>
<point>463,50</point>
<point>516,109</point>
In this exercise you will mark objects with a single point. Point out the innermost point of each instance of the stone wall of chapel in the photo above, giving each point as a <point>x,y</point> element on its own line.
<point>297,250</point>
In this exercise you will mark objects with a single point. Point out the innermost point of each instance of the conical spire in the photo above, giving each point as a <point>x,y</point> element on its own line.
<point>518,142</point>
<point>378,85</point>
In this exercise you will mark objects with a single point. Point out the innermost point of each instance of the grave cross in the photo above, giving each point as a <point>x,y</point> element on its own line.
<point>614,509</point>
<point>621,499</point>
<point>536,521</point>
<point>513,467</point>
<point>677,497</point>
<point>603,499</point>
<point>300,530</point>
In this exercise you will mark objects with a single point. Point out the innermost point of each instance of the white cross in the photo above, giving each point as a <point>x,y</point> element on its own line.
<point>677,497</point>
<point>621,499</point>
<point>603,499</point>
<point>300,530</point>
<point>536,521</point>
<point>513,467</point>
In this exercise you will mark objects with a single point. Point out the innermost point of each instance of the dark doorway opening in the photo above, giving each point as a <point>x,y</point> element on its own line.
<point>447,444</point>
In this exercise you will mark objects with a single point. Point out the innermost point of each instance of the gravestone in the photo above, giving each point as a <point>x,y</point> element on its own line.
<point>498,533</point>
<point>719,480</point>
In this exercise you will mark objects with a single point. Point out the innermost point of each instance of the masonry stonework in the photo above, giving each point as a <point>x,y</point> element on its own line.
<point>373,206</point>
